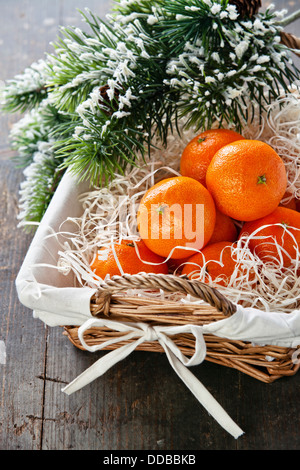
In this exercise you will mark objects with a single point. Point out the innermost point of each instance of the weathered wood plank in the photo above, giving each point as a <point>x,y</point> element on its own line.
<point>26,30</point>
<point>21,389</point>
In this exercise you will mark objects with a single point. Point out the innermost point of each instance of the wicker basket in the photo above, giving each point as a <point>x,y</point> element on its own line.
<point>265,363</point>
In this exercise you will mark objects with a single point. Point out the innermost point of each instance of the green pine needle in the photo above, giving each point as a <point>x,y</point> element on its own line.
<point>96,103</point>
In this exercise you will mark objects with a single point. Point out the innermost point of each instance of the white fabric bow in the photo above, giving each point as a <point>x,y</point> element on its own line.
<point>179,362</point>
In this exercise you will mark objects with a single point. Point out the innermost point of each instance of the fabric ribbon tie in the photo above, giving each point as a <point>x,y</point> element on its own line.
<point>180,363</point>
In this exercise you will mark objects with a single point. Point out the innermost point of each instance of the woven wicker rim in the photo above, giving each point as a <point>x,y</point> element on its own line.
<point>167,283</point>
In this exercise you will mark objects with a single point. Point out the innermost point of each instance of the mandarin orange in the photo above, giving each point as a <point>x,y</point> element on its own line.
<point>215,260</point>
<point>274,237</point>
<point>176,217</point>
<point>225,229</point>
<point>247,179</point>
<point>127,257</point>
<point>198,153</point>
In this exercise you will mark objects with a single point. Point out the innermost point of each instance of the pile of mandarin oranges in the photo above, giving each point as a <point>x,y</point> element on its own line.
<point>229,188</point>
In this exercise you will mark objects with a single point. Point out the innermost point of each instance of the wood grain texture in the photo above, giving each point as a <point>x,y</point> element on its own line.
<point>140,404</point>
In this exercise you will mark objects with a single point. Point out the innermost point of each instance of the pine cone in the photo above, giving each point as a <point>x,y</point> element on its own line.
<point>291,42</point>
<point>106,101</point>
<point>246,8</point>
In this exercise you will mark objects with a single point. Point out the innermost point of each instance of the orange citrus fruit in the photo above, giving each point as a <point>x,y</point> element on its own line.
<point>285,235</point>
<point>247,179</point>
<point>133,257</point>
<point>176,212</point>
<point>225,229</point>
<point>216,261</point>
<point>198,153</point>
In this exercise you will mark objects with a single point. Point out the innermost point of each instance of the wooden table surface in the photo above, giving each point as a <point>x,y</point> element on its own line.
<point>139,404</point>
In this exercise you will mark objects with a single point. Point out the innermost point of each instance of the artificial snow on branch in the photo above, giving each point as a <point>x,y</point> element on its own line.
<point>135,75</point>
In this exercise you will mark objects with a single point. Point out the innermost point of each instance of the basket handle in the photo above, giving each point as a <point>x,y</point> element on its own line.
<point>167,283</point>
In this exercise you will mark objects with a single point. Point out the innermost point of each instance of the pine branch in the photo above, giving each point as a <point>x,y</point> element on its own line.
<point>97,157</point>
<point>135,69</point>
<point>33,137</point>
<point>132,77</point>
<point>42,177</point>
<point>40,124</point>
<point>79,61</point>
<point>289,19</point>
<point>25,91</point>
<point>225,60</point>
